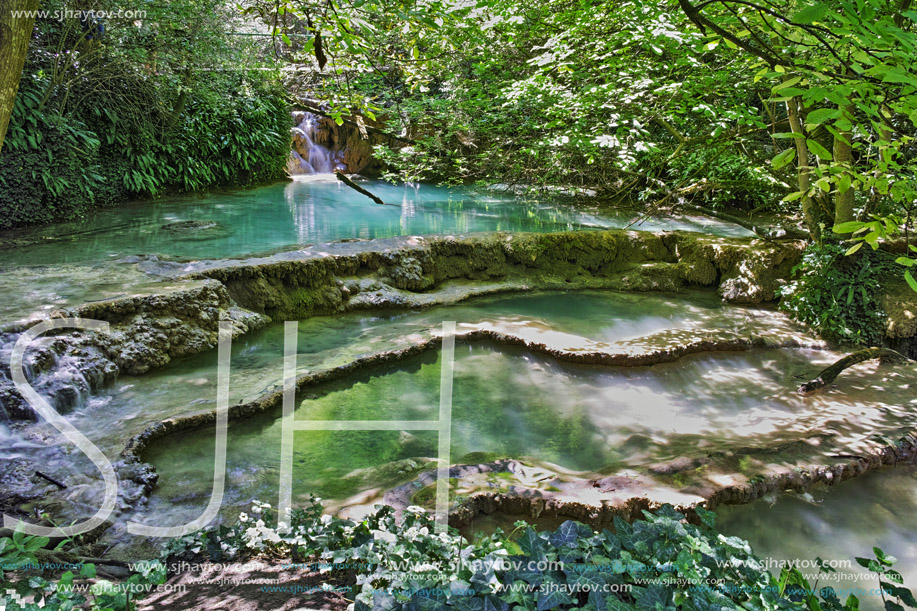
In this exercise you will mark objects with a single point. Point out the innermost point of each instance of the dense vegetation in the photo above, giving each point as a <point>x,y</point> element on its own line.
<point>170,102</point>
<point>657,563</point>
<point>803,110</point>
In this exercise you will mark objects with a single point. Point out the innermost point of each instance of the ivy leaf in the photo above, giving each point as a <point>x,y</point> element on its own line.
<point>565,535</point>
<point>492,603</point>
<point>552,600</point>
<point>532,544</point>
<point>706,516</point>
<point>653,598</point>
<point>613,603</point>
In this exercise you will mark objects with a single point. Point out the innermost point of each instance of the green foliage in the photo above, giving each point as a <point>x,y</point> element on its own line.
<point>24,588</point>
<point>659,562</point>
<point>652,102</point>
<point>832,293</point>
<point>242,140</point>
<point>879,228</point>
<point>49,167</point>
<point>171,102</point>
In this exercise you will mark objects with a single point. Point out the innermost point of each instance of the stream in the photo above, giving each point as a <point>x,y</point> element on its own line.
<point>681,428</point>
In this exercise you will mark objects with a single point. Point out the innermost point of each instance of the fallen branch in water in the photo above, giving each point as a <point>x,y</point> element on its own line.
<point>344,179</point>
<point>51,479</point>
<point>829,373</point>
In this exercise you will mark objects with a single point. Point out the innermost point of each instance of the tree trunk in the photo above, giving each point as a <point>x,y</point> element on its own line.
<point>15,32</point>
<point>802,165</point>
<point>829,373</point>
<point>899,17</point>
<point>843,157</point>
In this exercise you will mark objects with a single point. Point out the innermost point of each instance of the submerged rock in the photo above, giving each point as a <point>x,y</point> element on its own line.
<point>190,226</point>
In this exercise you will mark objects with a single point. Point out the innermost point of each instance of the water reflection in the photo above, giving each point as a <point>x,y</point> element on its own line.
<point>837,524</point>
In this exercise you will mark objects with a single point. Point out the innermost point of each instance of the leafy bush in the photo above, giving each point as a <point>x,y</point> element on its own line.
<point>833,294</point>
<point>49,166</point>
<point>34,592</point>
<point>659,562</point>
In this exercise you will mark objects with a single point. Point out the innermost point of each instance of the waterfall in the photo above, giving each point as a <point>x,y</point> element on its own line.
<point>310,157</point>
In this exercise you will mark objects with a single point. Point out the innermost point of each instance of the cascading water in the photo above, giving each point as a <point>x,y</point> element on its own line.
<point>59,368</point>
<point>309,157</point>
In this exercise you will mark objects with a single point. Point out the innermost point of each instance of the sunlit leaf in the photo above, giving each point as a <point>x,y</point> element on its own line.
<point>812,13</point>
<point>783,158</point>
<point>818,150</point>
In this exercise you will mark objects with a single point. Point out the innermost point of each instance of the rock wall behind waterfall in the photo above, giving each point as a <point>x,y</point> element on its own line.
<point>320,145</point>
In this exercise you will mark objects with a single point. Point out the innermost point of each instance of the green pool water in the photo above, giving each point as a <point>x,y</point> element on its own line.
<point>515,403</point>
<point>837,524</point>
<point>189,384</point>
<point>309,211</point>
<point>507,401</point>
<point>71,263</point>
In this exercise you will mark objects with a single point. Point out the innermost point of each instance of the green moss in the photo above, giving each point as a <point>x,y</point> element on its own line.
<point>426,496</point>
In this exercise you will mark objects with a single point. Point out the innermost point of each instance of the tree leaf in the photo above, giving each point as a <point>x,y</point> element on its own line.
<point>910,280</point>
<point>783,158</point>
<point>843,182</point>
<point>854,248</point>
<point>818,150</point>
<point>786,83</point>
<point>812,13</point>
<point>848,227</point>
<point>819,116</point>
